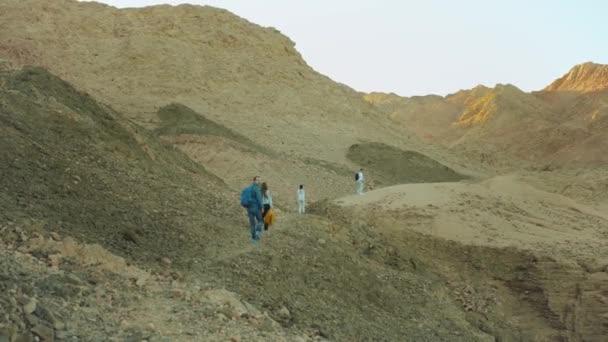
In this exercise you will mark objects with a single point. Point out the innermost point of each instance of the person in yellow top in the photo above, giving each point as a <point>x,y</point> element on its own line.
<point>266,202</point>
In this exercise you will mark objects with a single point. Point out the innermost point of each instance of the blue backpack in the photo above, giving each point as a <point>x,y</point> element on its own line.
<point>247,196</point>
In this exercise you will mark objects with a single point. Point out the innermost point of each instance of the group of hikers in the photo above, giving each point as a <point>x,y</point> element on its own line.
<point>257,199</point>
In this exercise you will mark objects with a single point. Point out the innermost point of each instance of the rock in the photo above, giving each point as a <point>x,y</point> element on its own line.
<point>267,325</point>
<point>55,236</point>
<point>32,320</point>
<point>24,338</point>
<point>59,325</point>
<point>236,338</point>
<point>7,333</point>
<point>140,282</point>
<point>54,260</point>
<point>165,262</point>
<point>130,236</point>
<point>22,237</point>
<point>30,306</point>
<point>227,311</point>
<point>73,279</point>
<point>208,311</point>
<point>61,335</point>
<point>178,293</point>
<point>45,333</point>
<point>45,314</point>
<point>284,313</point>
<point>321,242</point>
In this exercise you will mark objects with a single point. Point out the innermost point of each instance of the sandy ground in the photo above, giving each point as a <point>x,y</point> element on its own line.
<point>500,212</point>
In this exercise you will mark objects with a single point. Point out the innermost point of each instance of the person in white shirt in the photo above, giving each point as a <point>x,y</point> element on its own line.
<point>359,181</point>
<point>266,202</point>
<point>301,200</point>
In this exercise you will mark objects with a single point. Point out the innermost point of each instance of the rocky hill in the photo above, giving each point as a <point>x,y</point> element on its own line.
<point>104,221</point>
<point>560,124</point>
<point>247,77</point>
<point>123,147</point>
<point>583,78</point>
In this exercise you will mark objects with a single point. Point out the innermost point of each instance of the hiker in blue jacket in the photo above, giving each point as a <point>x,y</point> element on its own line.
<point>254,210</point>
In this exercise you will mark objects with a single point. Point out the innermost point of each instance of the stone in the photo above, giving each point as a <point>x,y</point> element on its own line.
<point>7,333</point>
<point>227,311</point>
<point>59,325</point>
<point>30,306</point>
<point>267,325</point>
<point>54,260</point>
<point>208,311</point>
<point>140,282</point>
<point>24,338</point>
<point>55,236</point>
<point>165,261</point>
<point>45,333</point>
<point>74,279</point>
<point>284,313</point>
<point>32,320</point>
<point>236,338</point>
<point>45,314</point>
<point>178,293</point>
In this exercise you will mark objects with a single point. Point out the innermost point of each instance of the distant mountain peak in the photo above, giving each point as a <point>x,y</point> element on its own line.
<point>586,77</point>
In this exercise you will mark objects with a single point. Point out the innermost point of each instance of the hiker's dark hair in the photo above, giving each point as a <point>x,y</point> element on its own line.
<point>264,190</point>
<point>301,186</point>
<point>254,178</point>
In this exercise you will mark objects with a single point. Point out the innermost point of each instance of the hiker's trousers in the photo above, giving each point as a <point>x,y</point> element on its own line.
<point>359,187</point>
<point>256,222</point>
<point>301,206</point>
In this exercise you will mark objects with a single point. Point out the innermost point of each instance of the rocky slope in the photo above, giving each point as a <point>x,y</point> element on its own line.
<point>561,124</point>
<point>104,221</point>
<point>583,78</point>
<point>120,220</point>
<point>246,77</point>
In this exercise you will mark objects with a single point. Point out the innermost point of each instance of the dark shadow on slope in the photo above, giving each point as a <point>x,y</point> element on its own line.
<point>177,119</point>
<point>389,165</point>
<point>77,167</point>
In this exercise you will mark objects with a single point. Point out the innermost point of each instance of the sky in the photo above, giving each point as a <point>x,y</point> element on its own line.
<point>431,46</point>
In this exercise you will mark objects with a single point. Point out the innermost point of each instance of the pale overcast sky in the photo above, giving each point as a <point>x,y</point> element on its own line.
<point>432,46</point>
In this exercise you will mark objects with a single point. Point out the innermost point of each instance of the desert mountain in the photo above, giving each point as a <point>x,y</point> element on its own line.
<point>102,217</point>
<point>119,218</point>
<point>583,78</point>
<point>556,126</point>
<point>239,74</point>
<point>246,78</point>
